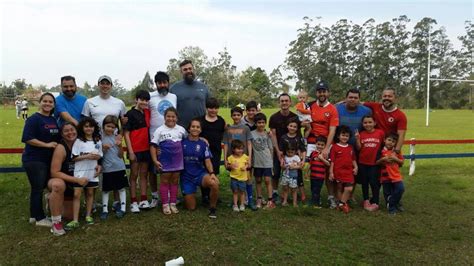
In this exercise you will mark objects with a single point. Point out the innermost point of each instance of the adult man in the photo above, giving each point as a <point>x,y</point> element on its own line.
<point>388,117</point>
<point>191,94</point>
<point>351,112</point>
<point>69,104</point>
<point>278,127</point>
<point>325,119</point>
<point>160,100</point>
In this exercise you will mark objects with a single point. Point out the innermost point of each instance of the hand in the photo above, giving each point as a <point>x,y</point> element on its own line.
<point>82,181</point>
<point>118,139</point>
<point>331,176</point>
<point>98,170</point>
<point>325,152</point>
<point>356,134</point>
<point>320,157</point>
<point>132,157</point>
<point>158,165</point>
<point>214,178</point>
<point>106,147</point>
<point>355,170</point>
<point>52,144</point>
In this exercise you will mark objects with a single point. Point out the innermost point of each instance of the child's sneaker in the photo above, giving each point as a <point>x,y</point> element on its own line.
<point>116,206</point>
<point>374,207</point>
<point>400,207</point>
<point>252,206</point>
<point>332,203</point>
<point>366,205</point>
<point>89,220</point>
<point>104,215</point>
<point>166,209</point>
<point>212,213</point>
<point>242,208</point>
<point>235,208</point>
<point>119,214</point>
<point>345,208</point>
<point>264,202</point>
<point>32,220</point>
<point>259,203</point>
<point>44,222</point>
<point>144,204</point>
<point>72,225</point>
<point>154,203</point>
<point>57,229</point>
<point>134,208</point>
<point>284,204</point>
<point>173,208</point>
<point>270,205</point>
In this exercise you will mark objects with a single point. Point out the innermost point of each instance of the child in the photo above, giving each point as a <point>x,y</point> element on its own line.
<point>292,162</point>
<point>86,151</point>
<point>114,177</point>
<point>294,138</point>
<point>238,163</point>
<point>343,167</point>
<point>318,167</point>
<point>302,108</point>
<point>242,133</point>
<point>262,151</point>
<point>391,177</point>
<point>369,142</point>
<point>250,111</point>
<point>137,139</point>
<point>168,139</point>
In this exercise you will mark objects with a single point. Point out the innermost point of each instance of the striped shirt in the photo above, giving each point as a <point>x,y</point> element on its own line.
<point>317,167</point>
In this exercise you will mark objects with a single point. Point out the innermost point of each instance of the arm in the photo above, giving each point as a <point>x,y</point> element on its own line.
<point>249,148</point>
<point>128,142</point>
<point>41,144</point>
<point>59,156</point>
<point>226,162</point>
<point>89,156</point>
<point>332,132</point>
<point>67,117</point>
<point>322,159</point>
<point>398,160</point>
<point>275,144</point>
<point>358,145</point>
<point>154,156</point>
<point>401,139</point>
<point>331,171</point>
<point>210,170</point>
<point>355,168</point>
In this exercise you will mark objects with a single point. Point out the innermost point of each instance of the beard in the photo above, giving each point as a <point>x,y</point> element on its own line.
<point>189,78</point>
<point>163,91</point>
<point>69,94</point>
<point>387,103</point>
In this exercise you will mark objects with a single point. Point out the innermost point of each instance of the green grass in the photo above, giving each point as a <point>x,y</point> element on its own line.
<point>437,227</point>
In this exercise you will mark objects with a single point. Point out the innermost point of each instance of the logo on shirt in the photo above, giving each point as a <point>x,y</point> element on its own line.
<point>198,148</point>
<point>391,119</point>
<point>326,114</point>
<point>163,105</point>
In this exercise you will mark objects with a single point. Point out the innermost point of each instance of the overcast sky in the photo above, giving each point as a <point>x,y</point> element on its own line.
<point>44,40</point>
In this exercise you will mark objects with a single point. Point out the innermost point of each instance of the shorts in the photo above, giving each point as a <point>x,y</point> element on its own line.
<point>69,191</point>
<point>189,184</point>
<point>262,172</point>
<point>91,184</point>
<point>238,185</point>
<point>114,181</point>
<point>287,180</point>
<point>345,184</point>
<point>143,157</point>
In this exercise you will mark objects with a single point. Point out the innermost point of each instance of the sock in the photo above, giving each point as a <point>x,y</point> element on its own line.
<point>105,201</point>
<point>154,195</point>
<point>164,193</point>
<point>173,193</point>
<point>249,189</point>
<point>56,219</point>
<point>123,199</point>
<point>143,197</point>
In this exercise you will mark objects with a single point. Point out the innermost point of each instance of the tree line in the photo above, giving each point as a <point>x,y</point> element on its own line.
<point>371,56</point>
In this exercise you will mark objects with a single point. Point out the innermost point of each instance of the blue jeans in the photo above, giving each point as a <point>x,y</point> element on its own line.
<point>393,193</point>
<point>316,185</point>
<point>38,175</point>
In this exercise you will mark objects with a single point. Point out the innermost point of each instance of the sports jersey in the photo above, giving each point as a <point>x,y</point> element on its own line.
<point>390,171</point>
<point>138,124</point>
<point>86,168</point>
<point>158,105</point>
<point>262,150</point>
<point>98,108</point>
<point>239,163</point>
<point>195,152</point>
<point>111,161</point>
<point>352,119</point>
<point>323,118</point>
<point>388,121</point>
<point>342,156</point>
<point>371,143</point>
<point>317,167</point>
<point>240,132</point>
<point>171,150</point>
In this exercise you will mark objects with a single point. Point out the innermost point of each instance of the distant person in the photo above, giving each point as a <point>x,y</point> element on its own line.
<point>18,107</point>
<point>41,136</point>
<point>69,104</point>
<point>24,109</point>
<point>191,94</point>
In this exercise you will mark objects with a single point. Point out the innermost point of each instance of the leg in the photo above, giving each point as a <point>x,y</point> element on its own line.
<point>235,198</point>
<point>143,172</point>
<point>190,201</point>
<point>374,184</point>
<point>276,176</point>
<point>213,187</point>
<point>133,181</point>
<point>164,187</point>
<point>339,190</point>
<point>76,203</point>
<point>258,185</point>
<point>285,195</point>
<point>294,194</point>
<point>269,186</point>
<point>56,197</point>
<point>300,182</point>
<point>397,191</point>
<point>37,173</point>
<point>346,193</point>
<point>89,200</point>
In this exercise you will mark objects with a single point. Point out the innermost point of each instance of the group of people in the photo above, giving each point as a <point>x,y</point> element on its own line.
<point>175,132</point>
<point>21,106</point>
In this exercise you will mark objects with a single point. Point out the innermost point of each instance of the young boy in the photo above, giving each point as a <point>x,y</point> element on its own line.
<point>238,163</point>
<point>318,168</point>
<point>250,111</point>
<point>391,178</point>
<point>137,139</point>
<point>242,133</point>
<point>262,151</point>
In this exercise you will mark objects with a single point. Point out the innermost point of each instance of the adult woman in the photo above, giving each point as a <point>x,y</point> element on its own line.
<point>62,174</point>
<point>40,136</point>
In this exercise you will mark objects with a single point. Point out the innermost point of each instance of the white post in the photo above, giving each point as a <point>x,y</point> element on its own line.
<point>412,157</point>
<point>428,82</point>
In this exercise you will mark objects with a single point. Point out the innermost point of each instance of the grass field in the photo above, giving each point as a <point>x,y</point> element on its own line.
<point>437,227</point>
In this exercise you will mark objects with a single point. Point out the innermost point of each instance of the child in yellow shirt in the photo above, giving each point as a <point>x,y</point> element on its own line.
<point>238,162</point>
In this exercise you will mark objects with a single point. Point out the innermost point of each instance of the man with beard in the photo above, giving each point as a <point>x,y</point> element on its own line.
<point>69,104</point>
<point>388,117</point>
<point>192,95</point>
<point>351,112</point>
<point>160,100</point>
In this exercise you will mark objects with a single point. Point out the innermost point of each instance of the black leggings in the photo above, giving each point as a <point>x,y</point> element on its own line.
<point>369,174</point>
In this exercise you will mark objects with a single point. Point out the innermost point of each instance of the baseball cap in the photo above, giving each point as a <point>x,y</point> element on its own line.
<point>109,79</point>
<point>322,85</point>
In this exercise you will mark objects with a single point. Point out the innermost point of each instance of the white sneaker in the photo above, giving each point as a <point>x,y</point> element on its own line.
<point>134,208</point>
<point>242,208</point>
<point>32,220</point>
<point>166,209</point>
<point>154,203</point>
<point>173,208</point>
<point>144,204</point>
<point>235,208</point>
<point>45,222</point>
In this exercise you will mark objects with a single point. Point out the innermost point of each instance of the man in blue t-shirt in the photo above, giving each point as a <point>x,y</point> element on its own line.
<point>351,112</point>
<point>191,95</point>
<point>69,104</point>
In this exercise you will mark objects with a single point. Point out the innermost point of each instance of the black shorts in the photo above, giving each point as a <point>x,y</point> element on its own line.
<point>90,184</point>
<point>114,181</point>
<point>143,157</point>
<point>69,191</point>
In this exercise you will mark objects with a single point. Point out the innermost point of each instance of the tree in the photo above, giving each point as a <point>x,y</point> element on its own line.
<point>193,53</point>
<point>220,76</point>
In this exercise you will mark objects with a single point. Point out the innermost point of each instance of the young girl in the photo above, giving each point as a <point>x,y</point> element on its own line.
<point>343,167</point>
<point>292,163</point>
<point>238,162</point>
<point>168,139</point>
<point>113,168</point>
<point>86,151</point>
<point>369,143</point>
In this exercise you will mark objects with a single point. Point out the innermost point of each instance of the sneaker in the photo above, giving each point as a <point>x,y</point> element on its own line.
<point>275,197</point>
<point>32,220</point>
<point>57,229</point>
<point>270,205</point>
<point>264,202</point>
<point>400,207</point>
<point>116,206</point>
<point>144,204</point>
<point>374,207</point>
<point>166,209</point>
<point>252,206</point>
<point>173,208</point>
<point>345,208</point>
<point>366,205</point>
<point>119,214</point>
<point>284,204</point>
<point>259,203</point>
<point>242,208</point>
<point>332,203</point>
<point>134,208</point>
<point>212,213</point>
<point>154,203</point>
<point>235,208</point>
<point>45,222</point>
<point>89,220</point>
<point>104,215</point>
<point>72,225</point>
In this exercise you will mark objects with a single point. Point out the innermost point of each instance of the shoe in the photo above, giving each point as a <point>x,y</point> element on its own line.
<point>270,205</point>
<point>339,206</point>
<point>259,203</point>
<point>400,207</point>
<point>166,209</point>
<point>332,203</point>
<point>212,213</point>
<point>374,207</point>
<point>45,222</point>
<point>345,208</point>
<point>366,205</point>
<point>144,204</point>
<point>173,208</point>
<point>134,208</point>
<point>72,225</point>
<point>252,206</point>
<point>275,197</point>
<point>393,212</point>
<point>116,206</point>
<point>284,204</point>
<point>89,220</point>
<point>57,229</point>
<point>104,215</point>
<point>154,203</point>
<point>119,214</point>
<point>32,220</point>
<point>264,202</point>
<point>235,208</point>
<point>242,207</point>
